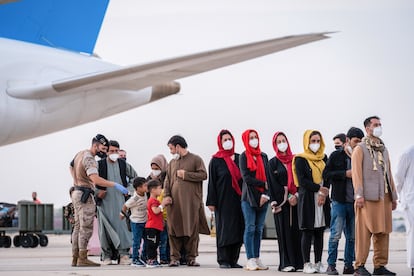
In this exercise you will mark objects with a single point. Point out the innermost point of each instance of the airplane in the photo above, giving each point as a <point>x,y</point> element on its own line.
<point>51,80</point>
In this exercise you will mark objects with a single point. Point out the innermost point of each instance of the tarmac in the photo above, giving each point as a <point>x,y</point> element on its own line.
<point>55,259</point>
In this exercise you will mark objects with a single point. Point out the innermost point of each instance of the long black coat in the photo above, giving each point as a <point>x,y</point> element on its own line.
<point>306,201</point>
<point>286,221</point>
<point>229,216</point>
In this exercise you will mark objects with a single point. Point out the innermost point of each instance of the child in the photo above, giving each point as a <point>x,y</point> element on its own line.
<point>138,206</point>
<point>155,223</point>
<point>69,213</point>
<point>158,171</point>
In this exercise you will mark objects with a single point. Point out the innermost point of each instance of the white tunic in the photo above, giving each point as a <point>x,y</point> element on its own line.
<point>405,187</point>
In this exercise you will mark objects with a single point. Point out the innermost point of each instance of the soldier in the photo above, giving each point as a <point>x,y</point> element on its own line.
<point>84,170</point>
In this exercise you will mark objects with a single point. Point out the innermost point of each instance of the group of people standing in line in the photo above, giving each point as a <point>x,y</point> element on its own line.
<point>296,186</point>
<point>240,189</point>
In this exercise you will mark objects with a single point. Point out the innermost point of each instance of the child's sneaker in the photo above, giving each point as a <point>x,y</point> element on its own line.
<point>138,262</point>
<point>153,263</point>
<point>164,262</point>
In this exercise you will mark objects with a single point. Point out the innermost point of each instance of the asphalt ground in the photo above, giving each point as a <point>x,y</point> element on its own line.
<point>55,259</point>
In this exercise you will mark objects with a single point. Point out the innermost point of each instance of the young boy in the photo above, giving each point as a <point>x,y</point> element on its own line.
<point>155,223</point>
<point>138,206</point>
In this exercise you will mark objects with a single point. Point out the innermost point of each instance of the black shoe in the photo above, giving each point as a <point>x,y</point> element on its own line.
<point>348,270</point>
<point>225,265</point>
<point>236,266</point>
<point>183,262</point>
<point>164,262</point>
<point>331,270</point>
<point>383,271</point>
<point>361,271</point>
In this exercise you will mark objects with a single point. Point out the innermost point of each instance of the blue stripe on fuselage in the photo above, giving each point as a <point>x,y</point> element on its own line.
<point>68,24</point>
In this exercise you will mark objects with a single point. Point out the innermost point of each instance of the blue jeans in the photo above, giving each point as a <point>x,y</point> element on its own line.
<point>254,222</point>
<point>164,246</point>
<point>342,219</point>
<point>137,236</point>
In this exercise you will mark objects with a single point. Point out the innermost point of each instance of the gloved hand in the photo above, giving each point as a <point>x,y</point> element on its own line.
<point>121,188</point>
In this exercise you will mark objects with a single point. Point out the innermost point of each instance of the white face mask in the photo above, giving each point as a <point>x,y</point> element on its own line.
<point>349,149</point>
<point>114,156</point>
<point>156,172</point>
<point>282,146</point>
<point>377,132</point>
<point>228,145</point>
<point>176,156</point>
<point>314,147</point>
<point>254,142</point>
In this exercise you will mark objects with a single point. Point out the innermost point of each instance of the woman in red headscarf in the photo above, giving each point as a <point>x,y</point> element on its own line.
<point>253,167</point>
<point>223,198</point>
<point>283,197</point>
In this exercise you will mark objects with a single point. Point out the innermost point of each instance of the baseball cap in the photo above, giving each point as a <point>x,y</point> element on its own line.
<point>101,139</point>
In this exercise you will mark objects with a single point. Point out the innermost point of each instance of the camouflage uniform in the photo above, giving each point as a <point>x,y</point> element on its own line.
<point>84,165</point>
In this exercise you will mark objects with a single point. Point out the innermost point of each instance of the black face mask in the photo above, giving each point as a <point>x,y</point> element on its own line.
<point>339,147</point>
<point>101,154</point>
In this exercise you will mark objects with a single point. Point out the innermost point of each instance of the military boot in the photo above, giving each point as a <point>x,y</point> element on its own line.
<point>75,256</point>
<point>83,259</point>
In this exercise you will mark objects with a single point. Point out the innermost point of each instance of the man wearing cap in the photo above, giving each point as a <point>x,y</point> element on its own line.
<point>84,170</point>
<point>375,198</point>
<point>339,175</point>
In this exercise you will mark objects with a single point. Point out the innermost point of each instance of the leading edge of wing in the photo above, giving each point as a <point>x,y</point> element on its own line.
<point>141,76</point>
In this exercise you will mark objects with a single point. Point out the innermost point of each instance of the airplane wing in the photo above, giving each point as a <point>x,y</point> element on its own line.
<point>146,75</point>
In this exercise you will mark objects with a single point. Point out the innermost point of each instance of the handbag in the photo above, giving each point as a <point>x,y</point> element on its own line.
<point>253,197</point>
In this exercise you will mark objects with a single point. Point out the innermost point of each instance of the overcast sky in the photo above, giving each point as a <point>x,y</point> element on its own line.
<point>366,68</point>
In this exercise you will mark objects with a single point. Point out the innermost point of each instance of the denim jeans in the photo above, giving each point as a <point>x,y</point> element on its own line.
<point>137,236</point>
<point>164,246</point>
<point>254,222</point>
<point>342,219</point>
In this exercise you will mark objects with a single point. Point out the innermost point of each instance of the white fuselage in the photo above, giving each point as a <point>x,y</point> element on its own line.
<point>24,65</point>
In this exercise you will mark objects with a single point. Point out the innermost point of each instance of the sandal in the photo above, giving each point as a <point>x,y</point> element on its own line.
<point>193,263</point>
<point>174,263</point>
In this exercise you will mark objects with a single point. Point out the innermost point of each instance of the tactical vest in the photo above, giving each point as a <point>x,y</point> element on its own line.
<point>103,171</point>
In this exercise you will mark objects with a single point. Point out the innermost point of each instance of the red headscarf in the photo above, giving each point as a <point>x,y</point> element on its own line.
<point>231,165</point>
<point>287,160</point>
<point>254,165</point>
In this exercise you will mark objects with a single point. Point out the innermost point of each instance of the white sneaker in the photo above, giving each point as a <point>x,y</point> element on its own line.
<point>260,265</point>
<point>289,269</point>
<point>308,268</point>
<point>251,264</point>
<point>107,261</point>
<point>320,268</point>
<point>125,260</point>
